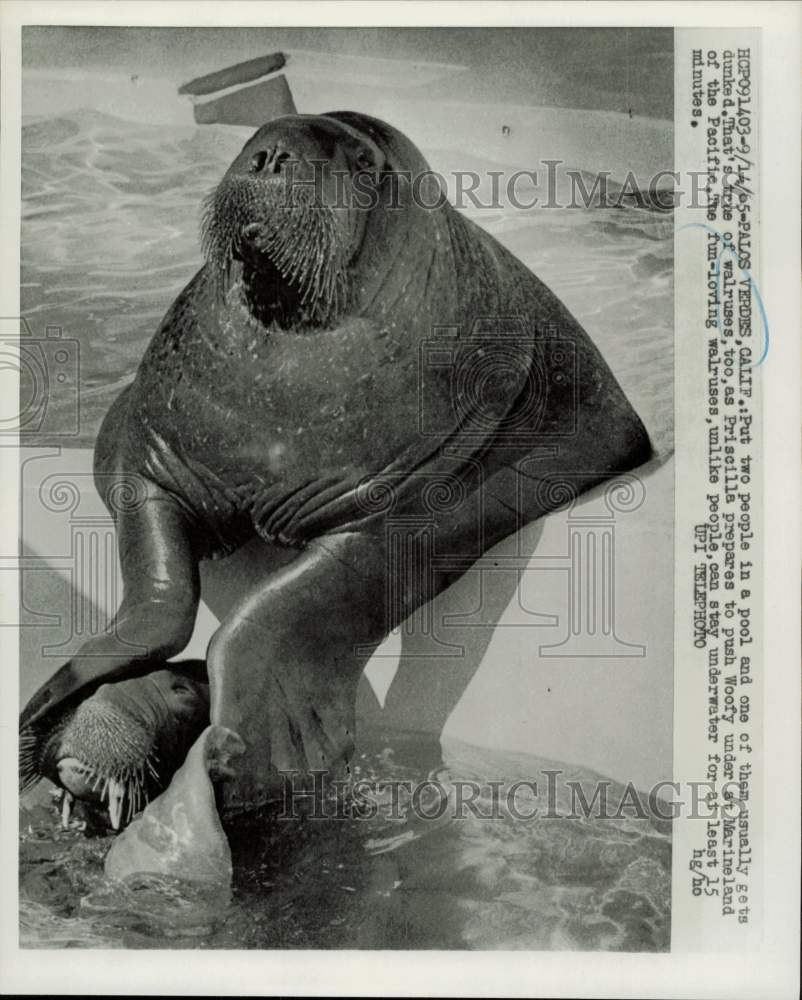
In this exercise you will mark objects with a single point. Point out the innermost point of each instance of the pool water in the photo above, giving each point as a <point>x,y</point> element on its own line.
<point>466,878</point>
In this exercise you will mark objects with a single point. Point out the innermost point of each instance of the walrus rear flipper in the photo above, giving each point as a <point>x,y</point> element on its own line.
<point>285,663</point>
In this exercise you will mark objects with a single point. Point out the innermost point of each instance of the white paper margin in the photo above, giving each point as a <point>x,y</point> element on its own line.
<point>771,970</point>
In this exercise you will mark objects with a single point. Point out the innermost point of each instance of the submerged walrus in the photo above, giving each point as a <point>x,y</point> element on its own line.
<point>360,376</point>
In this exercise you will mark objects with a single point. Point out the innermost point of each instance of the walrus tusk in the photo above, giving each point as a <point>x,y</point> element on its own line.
<point>67,800</point>
<point>180,832</point>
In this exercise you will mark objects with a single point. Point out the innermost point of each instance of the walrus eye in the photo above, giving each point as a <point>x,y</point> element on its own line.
<point>364,159</point>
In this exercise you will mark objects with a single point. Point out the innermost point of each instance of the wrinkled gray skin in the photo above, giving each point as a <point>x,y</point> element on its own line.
<point>291,394</point>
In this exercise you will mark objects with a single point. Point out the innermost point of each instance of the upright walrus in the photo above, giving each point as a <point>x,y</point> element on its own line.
<point>358,376</point>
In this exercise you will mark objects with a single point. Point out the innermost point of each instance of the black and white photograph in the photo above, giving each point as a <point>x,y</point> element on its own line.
<point>391,557</point>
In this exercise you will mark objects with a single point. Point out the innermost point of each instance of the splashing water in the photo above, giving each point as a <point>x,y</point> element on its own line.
<point>394,879</point>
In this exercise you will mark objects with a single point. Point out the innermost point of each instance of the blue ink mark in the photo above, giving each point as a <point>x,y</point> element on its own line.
<point>728,248</point>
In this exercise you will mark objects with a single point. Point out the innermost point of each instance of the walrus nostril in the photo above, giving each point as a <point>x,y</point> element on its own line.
<point>278,160</point>
<point>258,161</point>
<point>269,161</point>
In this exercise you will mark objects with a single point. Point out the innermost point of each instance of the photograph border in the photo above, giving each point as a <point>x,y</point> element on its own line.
<point>772,970</point>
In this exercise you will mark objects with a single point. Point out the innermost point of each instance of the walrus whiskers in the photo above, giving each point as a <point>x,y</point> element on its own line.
<point>31,743</point>
<point>298,235</point>
<point>105,749</point>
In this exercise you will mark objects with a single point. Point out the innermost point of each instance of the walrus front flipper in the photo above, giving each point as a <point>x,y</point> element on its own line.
<point>153,624</point>
<point>285,664</point>
<point>157,613</point>
<point>179,833</point>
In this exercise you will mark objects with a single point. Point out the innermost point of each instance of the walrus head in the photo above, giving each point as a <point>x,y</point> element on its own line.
<point>121,746</point>
<point>288,218</point>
